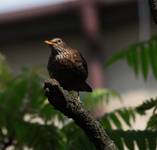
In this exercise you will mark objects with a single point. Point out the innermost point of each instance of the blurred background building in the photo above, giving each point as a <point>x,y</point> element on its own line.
<point>98,28</point>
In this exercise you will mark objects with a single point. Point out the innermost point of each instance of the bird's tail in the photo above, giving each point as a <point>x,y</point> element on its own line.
<point>86,87</point>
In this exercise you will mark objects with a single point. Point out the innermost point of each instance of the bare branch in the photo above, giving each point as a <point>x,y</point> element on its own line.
<point>69,105</point>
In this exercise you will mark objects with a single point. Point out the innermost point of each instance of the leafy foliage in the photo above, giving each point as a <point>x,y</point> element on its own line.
<point>41,136</point>
<point>142,139</point>
<point>127,115</point>
<point>76,138</point>
<point>152,122</point>
<point>22,96</point>
<point>146,105</point>
<point>5,72</point>
<point>140,57</point>
<point>145,140</point>
<point>26,118</point>
<point>99,96</point>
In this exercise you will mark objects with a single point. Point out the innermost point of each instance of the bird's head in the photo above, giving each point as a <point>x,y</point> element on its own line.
<point>57,44</point>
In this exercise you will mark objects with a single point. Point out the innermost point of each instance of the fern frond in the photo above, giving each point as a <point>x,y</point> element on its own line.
<point>141,57</point>
<point>152,122</point>
<point>125,114</point>
<point>145,140</point>
<point>98,96</point>
<point>146,105</point>
<point>40,137</point>
<point>76,138</point>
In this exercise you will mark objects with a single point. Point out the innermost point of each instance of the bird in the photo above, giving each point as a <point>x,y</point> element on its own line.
<point>67,66</point>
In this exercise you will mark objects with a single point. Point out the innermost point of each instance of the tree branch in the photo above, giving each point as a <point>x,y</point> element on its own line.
<point>69,105</point>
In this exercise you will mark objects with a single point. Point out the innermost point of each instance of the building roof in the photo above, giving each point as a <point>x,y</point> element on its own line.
<point>61,18</point>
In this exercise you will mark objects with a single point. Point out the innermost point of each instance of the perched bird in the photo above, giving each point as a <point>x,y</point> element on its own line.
<point>67,66</point>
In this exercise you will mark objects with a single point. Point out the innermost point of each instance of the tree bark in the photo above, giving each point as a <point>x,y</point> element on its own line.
<point>71,106</point>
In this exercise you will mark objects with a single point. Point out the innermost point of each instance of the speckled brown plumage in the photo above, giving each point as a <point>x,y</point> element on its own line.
<point>67,66</point>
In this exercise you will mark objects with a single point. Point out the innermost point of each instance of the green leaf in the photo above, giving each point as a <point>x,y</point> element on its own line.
<point>132,137</point>
<point>47,112</point>
<point>129,143</point>
<point>141,143</point>
<point>133,58</point>
<point>152,142</point>
<point>153,57</point>
<point>116,121</point>
<point>36,93</point>
<point>118,141</point>
<point>76,138</point>
<point>144,53</point>
<point>152,122</point>
<point>146,105</point>
<point>12,97</point>
<point>98,96</point>
<point>116,57</point>
<point>140,57</point>
<point>105,122</point>
<point>127,115</point>
<point>41,136</point>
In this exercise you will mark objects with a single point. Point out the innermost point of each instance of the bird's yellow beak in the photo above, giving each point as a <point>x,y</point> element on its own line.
<point>48,42</point>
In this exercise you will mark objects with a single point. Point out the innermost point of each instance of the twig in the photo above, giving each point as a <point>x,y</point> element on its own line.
<point>70,106</point>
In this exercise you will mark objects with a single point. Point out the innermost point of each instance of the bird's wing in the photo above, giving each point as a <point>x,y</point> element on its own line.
<point>76,63</point>
<point>84,64</point>
<point>80,62</point>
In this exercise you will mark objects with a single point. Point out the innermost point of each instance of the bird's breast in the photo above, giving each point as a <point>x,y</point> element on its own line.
<point>64,59</point>
<point>62,56</point>
<point>67,65</point>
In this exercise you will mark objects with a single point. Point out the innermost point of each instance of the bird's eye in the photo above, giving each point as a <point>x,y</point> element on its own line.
<point>59,41</point>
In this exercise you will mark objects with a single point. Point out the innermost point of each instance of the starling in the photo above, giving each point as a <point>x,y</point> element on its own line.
<point>67,66</point>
